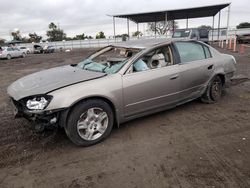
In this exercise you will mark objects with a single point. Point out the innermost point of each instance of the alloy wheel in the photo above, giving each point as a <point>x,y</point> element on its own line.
<point>92,124</point>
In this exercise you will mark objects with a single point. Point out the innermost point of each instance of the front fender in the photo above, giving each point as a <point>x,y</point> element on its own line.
<point>109,87</point>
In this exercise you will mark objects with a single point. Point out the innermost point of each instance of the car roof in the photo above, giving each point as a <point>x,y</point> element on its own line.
<point>146,43</point>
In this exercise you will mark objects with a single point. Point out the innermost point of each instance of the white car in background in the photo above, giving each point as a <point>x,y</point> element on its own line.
<point>11,52</point>
<point>24,49</point>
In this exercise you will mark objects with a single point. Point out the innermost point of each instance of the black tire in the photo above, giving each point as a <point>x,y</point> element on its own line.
<point>213,92</point>
<point>75,114</point>
<point>8,56</point>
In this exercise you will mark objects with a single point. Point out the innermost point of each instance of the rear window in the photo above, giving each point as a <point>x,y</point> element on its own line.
<point>203,33</point>
<point>22,47</point>
<point>181,33</point>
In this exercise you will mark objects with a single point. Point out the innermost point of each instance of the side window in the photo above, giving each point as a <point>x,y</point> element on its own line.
<point>157,58</point>
<point>9,49</point>
<point>190,51</point>
<point>207,52</point>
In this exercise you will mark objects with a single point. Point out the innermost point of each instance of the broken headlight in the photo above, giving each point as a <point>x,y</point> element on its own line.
<point>38,102</point>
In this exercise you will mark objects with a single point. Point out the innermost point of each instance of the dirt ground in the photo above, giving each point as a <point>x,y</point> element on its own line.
<point>193,145</point>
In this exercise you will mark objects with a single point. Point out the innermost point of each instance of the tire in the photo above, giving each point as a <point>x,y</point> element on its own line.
<point>213,92</point>
<point>89,122</point>
<point>23,55</point>
<point>8,56</point>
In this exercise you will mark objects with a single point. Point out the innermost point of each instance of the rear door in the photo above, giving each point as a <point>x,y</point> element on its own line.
<point>196,68</point>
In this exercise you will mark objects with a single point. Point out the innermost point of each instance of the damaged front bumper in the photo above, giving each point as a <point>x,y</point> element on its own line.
<point>40,119</point>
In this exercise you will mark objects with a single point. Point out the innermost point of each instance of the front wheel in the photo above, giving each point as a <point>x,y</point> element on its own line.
<point>8,56</point>
<point>89,122</point>
<point>214,91</point>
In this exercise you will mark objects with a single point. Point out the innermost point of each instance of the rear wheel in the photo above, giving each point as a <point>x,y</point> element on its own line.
<point>89,122</point>
<point>214,91</point>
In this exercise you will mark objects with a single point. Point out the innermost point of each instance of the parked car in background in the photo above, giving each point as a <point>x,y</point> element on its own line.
<point>38,49</point>
<point>24,49</point>
<point>192,33</point>
<point>203,35</point>
<point>11,52</point>
<point>48,49</point>
<point>244,38</point>
<point>119,83</point>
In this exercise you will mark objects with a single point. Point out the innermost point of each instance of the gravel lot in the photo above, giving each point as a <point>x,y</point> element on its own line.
<point>193,145</point>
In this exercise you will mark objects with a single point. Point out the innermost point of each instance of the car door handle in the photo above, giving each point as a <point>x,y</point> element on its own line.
<point>174,77</point>
<point>210,67</point>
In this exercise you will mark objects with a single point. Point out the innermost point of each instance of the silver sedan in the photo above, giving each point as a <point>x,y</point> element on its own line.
<point>11,52</point>
<point>119,83</point>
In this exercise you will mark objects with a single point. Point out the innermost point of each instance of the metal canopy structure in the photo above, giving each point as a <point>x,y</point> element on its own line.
<point>167,15</point>
<point>177,14</point>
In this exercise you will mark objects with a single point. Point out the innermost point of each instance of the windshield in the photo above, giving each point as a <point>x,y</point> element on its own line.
<point>181,33</point>
<point>108,60</point>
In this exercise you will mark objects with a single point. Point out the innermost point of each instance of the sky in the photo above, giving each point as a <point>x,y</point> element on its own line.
<point>90,16</point>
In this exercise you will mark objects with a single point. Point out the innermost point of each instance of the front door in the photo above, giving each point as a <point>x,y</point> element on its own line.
<point>156,85</point>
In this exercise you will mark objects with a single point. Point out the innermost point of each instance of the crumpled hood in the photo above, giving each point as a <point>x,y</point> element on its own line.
<point>45,81</point>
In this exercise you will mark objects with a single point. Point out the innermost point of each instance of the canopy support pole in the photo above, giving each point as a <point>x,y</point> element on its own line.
<point>138,30</point>
<point>228,19</point>
<point>173,25</point>
<point>187,23</point>
<point>114,27</point>
<point>219,26</point>
<point>128,26</point>
<point>155,29</point>
<point>213,30</point>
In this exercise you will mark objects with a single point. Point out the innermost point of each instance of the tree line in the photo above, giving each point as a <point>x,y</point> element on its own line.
<point>54,33</point>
